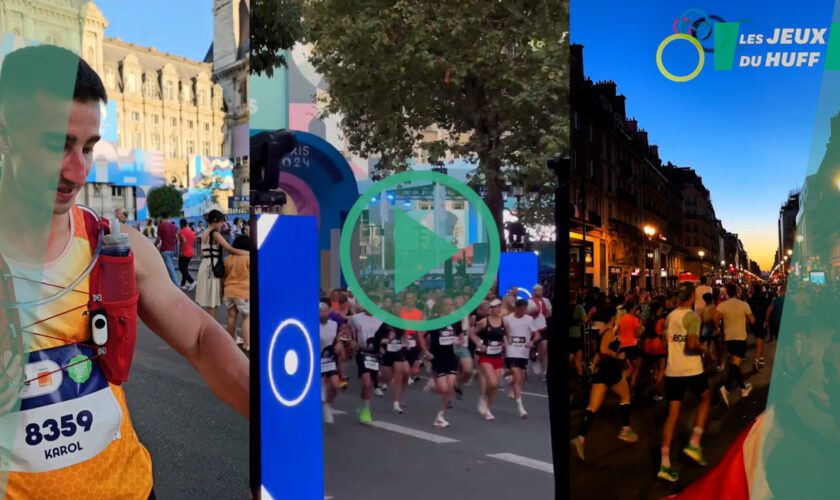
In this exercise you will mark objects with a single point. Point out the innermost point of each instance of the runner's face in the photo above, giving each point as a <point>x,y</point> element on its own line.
<point>40,141</point>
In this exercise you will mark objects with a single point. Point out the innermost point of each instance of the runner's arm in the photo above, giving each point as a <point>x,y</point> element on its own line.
<point>182,324</point>
<point>473,332</point>
<point>691,323</point>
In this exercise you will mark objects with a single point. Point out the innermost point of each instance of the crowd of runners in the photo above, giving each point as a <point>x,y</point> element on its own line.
<point>653,346</point>
<point>493,344</point>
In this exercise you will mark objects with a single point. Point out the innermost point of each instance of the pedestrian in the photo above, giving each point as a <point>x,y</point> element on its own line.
<point>684,371</point>
<point>759,305</point>
<point>237,291</point>
<point>209,286</point>
<point>736,314</point>
<point>187,240</point>
<point>167,240</point>
<point>120,215</point>
<point>773,317</point>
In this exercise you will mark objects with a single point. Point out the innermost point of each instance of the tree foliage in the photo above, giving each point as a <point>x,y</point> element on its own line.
<point>164,201</point>
<point>491,75</point>
<point>275,27</point>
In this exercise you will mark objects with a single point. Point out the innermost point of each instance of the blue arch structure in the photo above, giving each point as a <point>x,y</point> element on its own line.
<point>322,167</point>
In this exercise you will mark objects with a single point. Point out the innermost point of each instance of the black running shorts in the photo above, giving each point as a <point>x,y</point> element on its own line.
<point>675,387</point>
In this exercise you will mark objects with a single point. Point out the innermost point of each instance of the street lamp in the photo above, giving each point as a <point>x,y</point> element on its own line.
<point>650,231</point>
<point>701,253</point>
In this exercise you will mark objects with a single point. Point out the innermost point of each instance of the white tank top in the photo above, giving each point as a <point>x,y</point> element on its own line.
<point>679,363</point>
<point>328,332</point>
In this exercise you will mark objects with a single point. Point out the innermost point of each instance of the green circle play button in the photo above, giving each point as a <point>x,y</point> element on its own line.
<point>387,245</point>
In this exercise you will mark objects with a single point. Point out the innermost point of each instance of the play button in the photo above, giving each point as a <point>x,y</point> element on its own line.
<point>388,245</point>
<point>417,250</point>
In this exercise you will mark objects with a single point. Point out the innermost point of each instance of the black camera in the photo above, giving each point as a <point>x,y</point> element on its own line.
<point>267,151</point>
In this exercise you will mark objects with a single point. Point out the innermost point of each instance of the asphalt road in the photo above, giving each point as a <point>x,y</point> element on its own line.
<point>199,446</point>
<point>416,460</point>
<point>620,471</point>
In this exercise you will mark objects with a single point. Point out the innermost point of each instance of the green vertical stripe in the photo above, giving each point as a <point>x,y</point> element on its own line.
<point>726,39</point>
<point>832,52</point>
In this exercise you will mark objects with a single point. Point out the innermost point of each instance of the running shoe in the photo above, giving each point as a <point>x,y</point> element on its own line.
<point>378,392</point>
<point>695,453</point>
<point>383,387</point>
<point>482,406</point>
<point>508,379</point>
<point>510,393</point>
<point>191,286</point>
<point>756,366</point>
<point>577,448</point>
<point>522,412</point>
<point>489,416</point>
<point>411,380</point>
<point>746,390</point>
<point>761,361</point>
<point>441,422</point>
<point>365,416</point>
<point>537,368</point>
<point>627,435</point>
<point>724,395</point>
<point>398,408</point>
<point>668,474</point>
<point>328,414</point>
<point>183,287</point>
<point>240,341</point>
<point>429,385</point>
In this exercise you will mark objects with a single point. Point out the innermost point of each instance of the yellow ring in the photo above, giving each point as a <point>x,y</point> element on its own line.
<point>665,72</point>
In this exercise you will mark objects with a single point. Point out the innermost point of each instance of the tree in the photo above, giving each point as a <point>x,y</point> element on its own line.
<point>275,27</point>
<point>164,201</point>
<point>491,75</point>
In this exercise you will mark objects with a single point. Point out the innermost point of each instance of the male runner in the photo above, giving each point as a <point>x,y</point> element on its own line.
<point>539,308</point>
<point>735,314</point>
<point>521,334</point>
<point>416,340</point>
<point>47,138</point>
<point>365,326</point>
<point>684,371</point>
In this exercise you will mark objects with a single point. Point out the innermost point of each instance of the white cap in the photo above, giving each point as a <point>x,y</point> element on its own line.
<point>495,303</point>
<point>323,307</point>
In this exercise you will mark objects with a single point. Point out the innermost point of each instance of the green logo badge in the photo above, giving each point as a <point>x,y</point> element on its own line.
<point>384,243</point>
<point>79,369</point>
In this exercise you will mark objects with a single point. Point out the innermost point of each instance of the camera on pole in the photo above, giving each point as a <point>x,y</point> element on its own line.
<point>267,151</point>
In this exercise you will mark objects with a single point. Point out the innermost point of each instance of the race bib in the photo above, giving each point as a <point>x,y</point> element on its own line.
<point>328,365</point>
<point>494,348</point>
<point>517,348</point>
<point>371,363</point>
<point>66,417</point>
<point>394,346</point>
<point>447,339</point>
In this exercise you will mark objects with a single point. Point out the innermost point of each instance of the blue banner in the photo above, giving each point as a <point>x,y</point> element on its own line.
<point>518,269</point>
<point>291,440</point>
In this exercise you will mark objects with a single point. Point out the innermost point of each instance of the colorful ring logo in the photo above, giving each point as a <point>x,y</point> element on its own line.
<point>694,25</point>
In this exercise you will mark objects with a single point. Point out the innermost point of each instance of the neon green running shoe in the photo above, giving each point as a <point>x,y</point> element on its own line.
<point>668,474</point>
<point>365,416</point>
<point>695,453</point>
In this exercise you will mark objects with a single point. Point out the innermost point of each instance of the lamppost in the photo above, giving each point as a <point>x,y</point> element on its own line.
<point>701,253</point>
<point>722,269</point>
<point>649,231</point>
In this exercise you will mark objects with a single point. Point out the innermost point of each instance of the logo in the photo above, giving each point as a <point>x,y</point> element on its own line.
<point>79,369</point>
<point>410,250</point>
<point>698,28</point>
<point>295,363</point>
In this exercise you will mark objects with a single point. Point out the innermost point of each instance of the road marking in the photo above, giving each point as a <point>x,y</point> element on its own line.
<point>339,412</point>
<point>412,432</point>
<point>525,461</point>
<point>502,389</point>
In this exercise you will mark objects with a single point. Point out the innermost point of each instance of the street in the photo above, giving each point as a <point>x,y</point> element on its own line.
<point>406,457</point>
<point>199,446</point>
<point>634,466</point>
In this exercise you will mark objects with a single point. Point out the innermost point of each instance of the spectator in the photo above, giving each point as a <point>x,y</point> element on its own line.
<point>167,241</point>
<point>237,291</point>
<point>187,239</point>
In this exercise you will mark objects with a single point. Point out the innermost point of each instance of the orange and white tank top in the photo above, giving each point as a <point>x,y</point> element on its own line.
<point>72,436</point>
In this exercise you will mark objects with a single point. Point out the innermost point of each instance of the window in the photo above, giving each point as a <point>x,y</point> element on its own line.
<point>173,147</point>
<point>173,121</point>
<point>156,142</point>
<point>156,119</point>
<point>169,90</point>
<point>135,116</point>
<point>116,191</point>
<point>131,82</point>
<point>190,148</point>
<point>202,98</point>
<point>207,127</point>
<point>151,89</point>
<point>189,124</point>
<point>205,148</point>
<point>457,205</point>
<point>425,205</point>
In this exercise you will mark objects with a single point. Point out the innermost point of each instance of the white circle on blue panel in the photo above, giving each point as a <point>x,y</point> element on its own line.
<point>525,291</point>
<point>291,362</point>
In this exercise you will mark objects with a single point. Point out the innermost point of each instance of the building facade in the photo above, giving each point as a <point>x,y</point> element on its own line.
<point>229,56</point>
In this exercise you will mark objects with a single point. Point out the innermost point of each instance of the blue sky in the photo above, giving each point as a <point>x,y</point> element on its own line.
<point>179,27</point>
<point>748,131</point>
